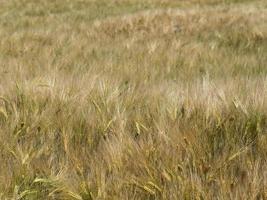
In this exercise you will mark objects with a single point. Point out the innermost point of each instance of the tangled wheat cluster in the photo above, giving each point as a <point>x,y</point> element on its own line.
<point>133,99</point>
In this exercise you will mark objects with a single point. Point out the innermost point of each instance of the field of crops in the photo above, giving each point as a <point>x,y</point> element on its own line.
<point>133,99</point>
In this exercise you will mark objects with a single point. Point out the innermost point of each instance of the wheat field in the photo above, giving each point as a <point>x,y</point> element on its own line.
<point>133,99</point>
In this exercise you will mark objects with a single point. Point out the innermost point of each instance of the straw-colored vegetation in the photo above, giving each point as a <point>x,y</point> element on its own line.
<point>133,99</point>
